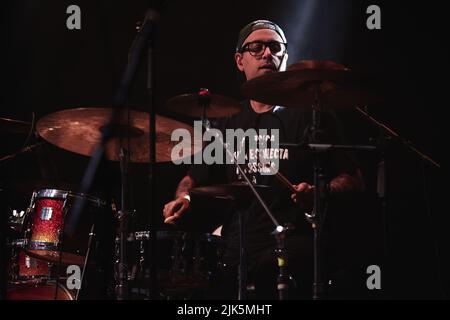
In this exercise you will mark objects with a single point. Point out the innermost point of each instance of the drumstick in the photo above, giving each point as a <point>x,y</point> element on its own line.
<point>285,181</point>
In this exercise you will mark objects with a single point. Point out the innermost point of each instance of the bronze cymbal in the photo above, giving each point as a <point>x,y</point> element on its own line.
<point>14,126</point>
<point>297,87</point>
<point>191,105</point>
<point>80,130</point>
<point>235,190</point>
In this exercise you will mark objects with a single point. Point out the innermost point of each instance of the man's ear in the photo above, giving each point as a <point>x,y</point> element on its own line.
<point>238,58</point>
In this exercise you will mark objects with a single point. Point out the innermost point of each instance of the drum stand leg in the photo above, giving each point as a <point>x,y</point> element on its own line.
<point>121,268</point>
<point>242,270</point>
<point>121,271</point>
<point>86,260</point>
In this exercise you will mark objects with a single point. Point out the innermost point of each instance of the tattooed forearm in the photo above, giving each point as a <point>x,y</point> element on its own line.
<point>186,184</point>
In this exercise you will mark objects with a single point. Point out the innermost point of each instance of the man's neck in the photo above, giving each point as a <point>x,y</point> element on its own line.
<point>259,107</point>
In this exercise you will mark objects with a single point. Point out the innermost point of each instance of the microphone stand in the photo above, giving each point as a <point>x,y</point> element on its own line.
<point>152,161</point>
<point>120,98</point>
<point>387,134</point>
<point>394,135</point>
<point>320,194</point>
<point>279,232</point>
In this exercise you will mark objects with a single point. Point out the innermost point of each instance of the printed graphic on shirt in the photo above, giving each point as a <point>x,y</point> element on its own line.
<point>257,150</point>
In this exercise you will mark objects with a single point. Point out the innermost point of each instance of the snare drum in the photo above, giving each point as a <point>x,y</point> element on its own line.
<point>49,210</point>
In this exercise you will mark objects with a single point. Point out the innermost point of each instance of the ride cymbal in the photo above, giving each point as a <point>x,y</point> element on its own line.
<point>306,82</point>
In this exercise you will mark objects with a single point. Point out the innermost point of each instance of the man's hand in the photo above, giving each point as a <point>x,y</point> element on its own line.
<point>175,209</point>
<point>304,195</point>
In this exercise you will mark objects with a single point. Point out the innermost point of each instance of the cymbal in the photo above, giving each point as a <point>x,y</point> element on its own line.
<point>80,130</point>
<point>337,86</point>
<point>235,190</point>
<point>191,105</point>
<point>14,126</point>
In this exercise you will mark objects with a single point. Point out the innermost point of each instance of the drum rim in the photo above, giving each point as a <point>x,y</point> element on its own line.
<point>174,234</point>
<point>48,282</point>
<point>51,193</point>
<point>96,200</point>
<point>42,245</point>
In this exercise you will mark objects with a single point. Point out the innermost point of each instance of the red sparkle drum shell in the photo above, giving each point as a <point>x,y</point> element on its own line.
<point>38,291</point>
<point>49,211</point>
<point>31,268</point>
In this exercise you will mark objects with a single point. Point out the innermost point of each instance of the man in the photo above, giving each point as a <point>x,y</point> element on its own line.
<point>262,49</point>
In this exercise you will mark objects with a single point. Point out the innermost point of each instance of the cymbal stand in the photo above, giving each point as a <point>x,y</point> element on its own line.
<point>321,183</point>
<point>23,150</point>
<point>121,267</point>
<point>320,194</point>
<point>279,232</point>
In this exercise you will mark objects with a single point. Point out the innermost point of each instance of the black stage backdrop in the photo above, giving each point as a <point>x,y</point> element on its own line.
<point>47,68</point>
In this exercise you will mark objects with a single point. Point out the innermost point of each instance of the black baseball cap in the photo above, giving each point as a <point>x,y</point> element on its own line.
<point>255,25</point>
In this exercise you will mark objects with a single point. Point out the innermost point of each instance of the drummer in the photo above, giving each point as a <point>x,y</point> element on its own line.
<point>262,49</point>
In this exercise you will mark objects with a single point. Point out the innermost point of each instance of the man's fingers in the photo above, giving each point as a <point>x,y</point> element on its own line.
<point>302,187</point>
<point>303,193</point>
<point>170,220</point>
<point>178,212</point>
<point>174,210</point>
<point>168,208</point>
<point>181,208</point>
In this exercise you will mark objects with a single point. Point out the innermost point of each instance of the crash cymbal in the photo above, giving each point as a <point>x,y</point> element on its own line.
<point>192,105</point>
<point>337,86</point>
<point>14,126</point>
<point>80,130</point>
<point>235,190</point>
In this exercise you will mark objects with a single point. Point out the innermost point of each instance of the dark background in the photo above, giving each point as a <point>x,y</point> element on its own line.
<point>47,68</point>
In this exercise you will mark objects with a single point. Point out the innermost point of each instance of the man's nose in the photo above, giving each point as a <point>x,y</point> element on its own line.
<point>267,53</point>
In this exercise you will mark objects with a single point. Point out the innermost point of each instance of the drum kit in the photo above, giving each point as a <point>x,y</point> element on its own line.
<point>40,243</point>
<point>41,246</point>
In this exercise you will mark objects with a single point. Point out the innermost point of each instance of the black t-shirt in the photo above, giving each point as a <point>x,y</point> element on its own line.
<point>295,163</point>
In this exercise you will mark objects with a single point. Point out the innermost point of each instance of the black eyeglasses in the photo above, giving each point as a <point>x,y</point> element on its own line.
<point>257,48</point>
